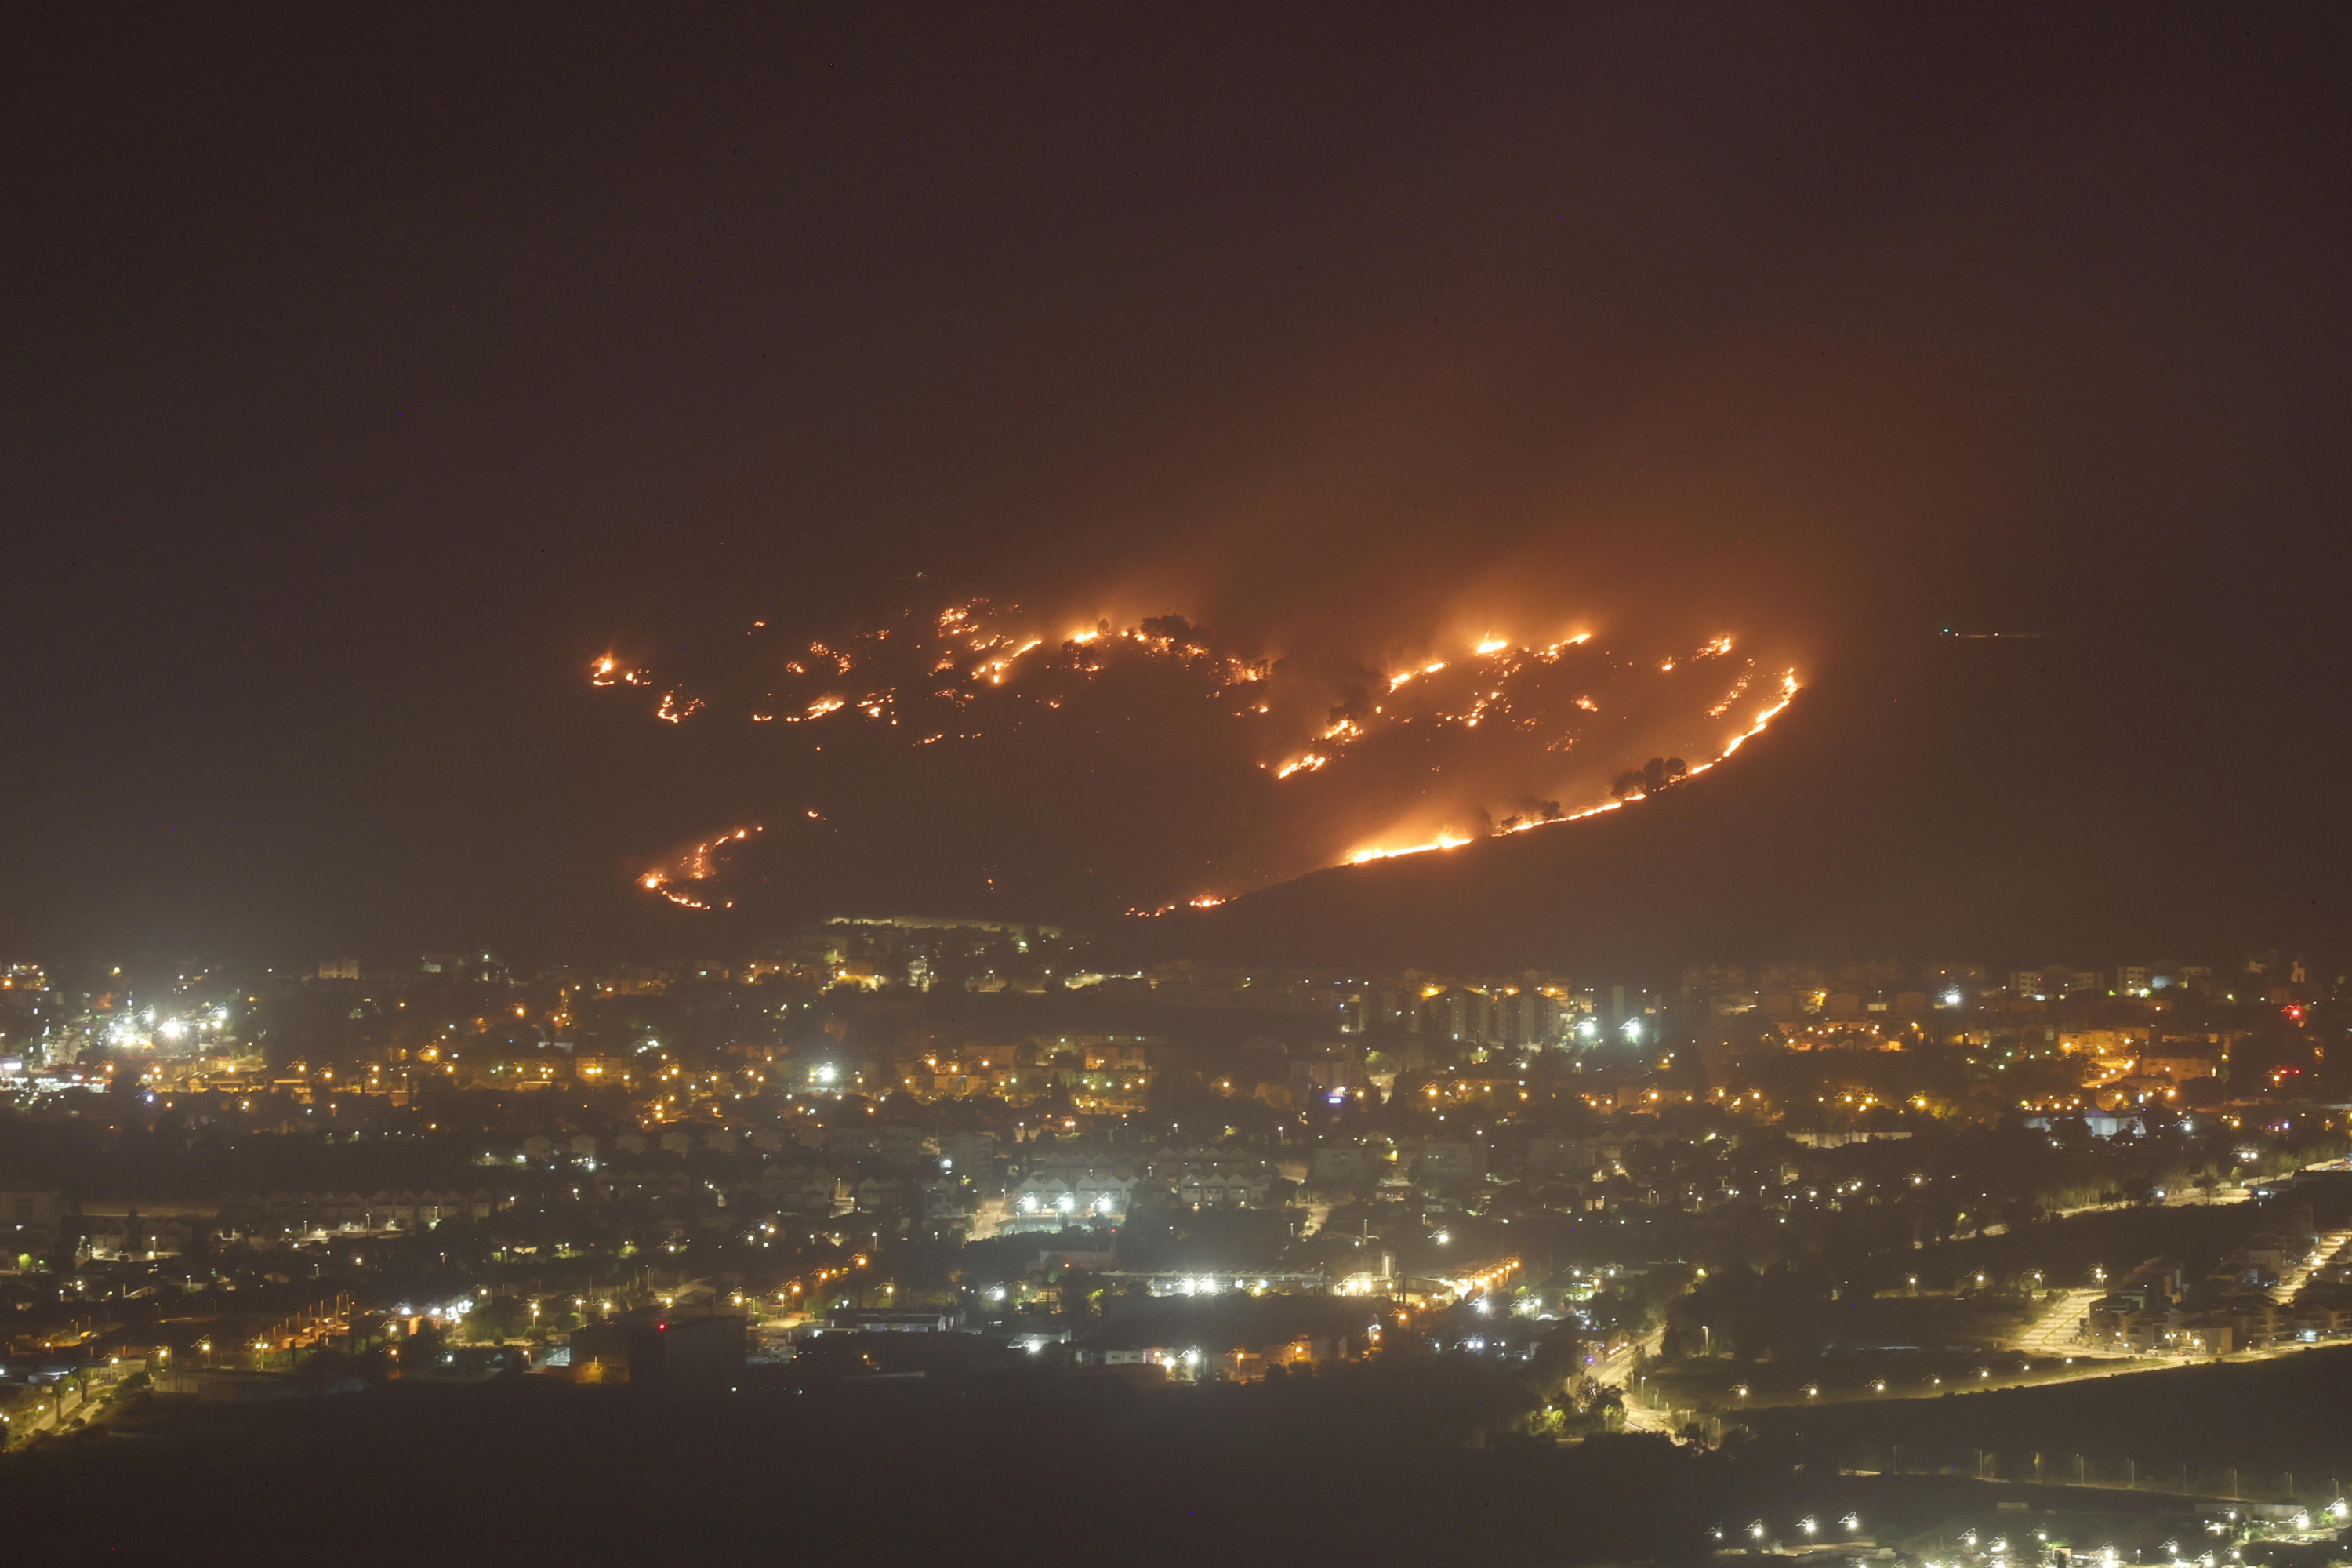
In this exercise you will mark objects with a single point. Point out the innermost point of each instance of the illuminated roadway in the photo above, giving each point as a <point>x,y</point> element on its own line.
<point>44,1412</point>
<point>1616,1368</point>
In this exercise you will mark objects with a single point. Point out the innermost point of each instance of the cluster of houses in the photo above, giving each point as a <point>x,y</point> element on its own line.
<point>2276,1289</point>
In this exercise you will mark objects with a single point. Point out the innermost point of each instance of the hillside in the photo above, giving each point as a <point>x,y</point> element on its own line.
<point>1923,798</point>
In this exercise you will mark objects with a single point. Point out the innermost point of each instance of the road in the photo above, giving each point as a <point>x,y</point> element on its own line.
<point>2052,1333</point>
<point>1617,1366</point>
<point>2322,1252</point>
<point>56,1402</point>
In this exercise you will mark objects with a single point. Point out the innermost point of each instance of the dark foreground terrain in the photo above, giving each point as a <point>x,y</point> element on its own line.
<point>1367,1467</point>
<point>2260,1428</point>
<point>1377,1465</point>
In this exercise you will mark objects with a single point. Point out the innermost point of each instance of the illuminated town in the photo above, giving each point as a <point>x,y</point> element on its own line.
<point>1727,1208</point>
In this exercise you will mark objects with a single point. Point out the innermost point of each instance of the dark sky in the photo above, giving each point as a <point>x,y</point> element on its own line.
<point>366,372</point>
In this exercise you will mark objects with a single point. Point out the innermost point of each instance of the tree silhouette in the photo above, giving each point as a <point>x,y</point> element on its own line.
<point>1657,773</point>
<point>1175,628</point>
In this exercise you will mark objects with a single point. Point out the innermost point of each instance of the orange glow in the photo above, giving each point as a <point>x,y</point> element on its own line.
<point>1790,686</point>
<point>697,863</point>
<point>956,669</point>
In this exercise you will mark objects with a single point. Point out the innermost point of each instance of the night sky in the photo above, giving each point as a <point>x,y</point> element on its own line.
<point>369,372</point>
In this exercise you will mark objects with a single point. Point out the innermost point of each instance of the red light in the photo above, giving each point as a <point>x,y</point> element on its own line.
<point>663,1327</point>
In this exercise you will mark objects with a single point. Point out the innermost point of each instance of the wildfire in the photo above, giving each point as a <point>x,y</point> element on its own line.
<point>1442,841</point>
<point>1790,686</point>
<point>698,863</point>
<point>978,671</point>
<point>1738,690</point>
<point>1399,680</point>
<point>610,671</point>
<point>1789,689</point>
